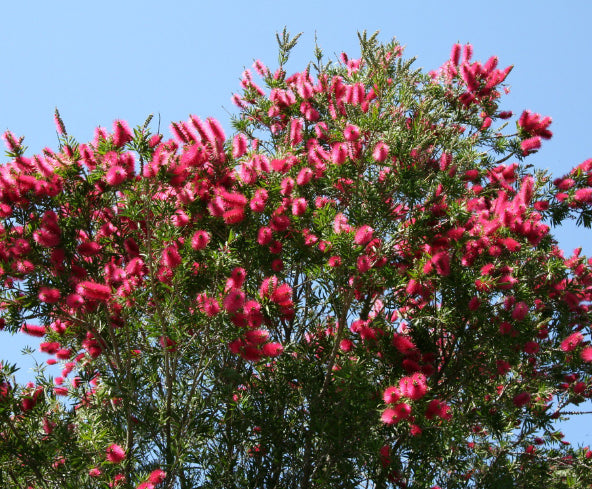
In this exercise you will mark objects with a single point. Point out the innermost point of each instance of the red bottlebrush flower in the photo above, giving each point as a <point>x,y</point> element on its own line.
<point>89,248</point>
<point>200,240</point>
<point>116,175</point>
<point>95,472</point>
<point>586,354</point>
<point>522,399</point>
<point>93,290</point>
<point>121,133</point>
<point>520,311</point>
<point>572,341</point>
<point>157,476</point>
<point>115,454</point>
<point>49,296</point>
<point>530,144</point>
<point>583,195</point>
<point>363,235</point>
<point>33,330</point>
<point>391,395</point>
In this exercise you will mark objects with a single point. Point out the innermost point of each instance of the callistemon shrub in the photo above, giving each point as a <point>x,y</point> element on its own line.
<point>359,287</point>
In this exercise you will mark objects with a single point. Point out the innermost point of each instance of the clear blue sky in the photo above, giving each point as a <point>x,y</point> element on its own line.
<point>98,61</point>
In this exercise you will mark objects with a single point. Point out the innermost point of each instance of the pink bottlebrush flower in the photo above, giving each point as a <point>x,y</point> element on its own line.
<point>115,454</point>
<point>564,183</point>
<point>239,145</point>
<point>363,264</point>
<point>49,296</point>
<point>272,349</point>
<point>257,336</point>
<point>413,287</point>
<point>299,206</point>
<point>391,395</point>
<point>572,341</point>
<point>168,344</point>
<point>95,472</point>
<point>530,144</point>
<point>121,133</point>
<point>520,311</point>
<point>413,387</point>
<point>287,186</point>
<point>279,223</point>
<point>455,54</point>
<point>46,238</point>
<point>403,343</point>
<point>334,261</point>
<point>339,153</point>
<point>194,155</point>
<point>33,330</point>
<point>586,354</point>
<point>295,131</point>
<point>75,301</point>
<point>11,141</point>
<point>200,240</point>
<point>116,175</point>
<point>583,195</point>
<point>522,399</point>
<point>264,235</point>
<point>234,301</point>
<point>441,262</point>
<point>60,391</point>
<point>380,152</point>
<point>211,307</point>
<point>282,294</point>
<point>157,476</point>
<point>89,248</point>
<point>363,235</point>
<point>93,290</point>
<point>389,416</point>
<point>234,215</point>
<point>60,127</point>
<point>304,176</point>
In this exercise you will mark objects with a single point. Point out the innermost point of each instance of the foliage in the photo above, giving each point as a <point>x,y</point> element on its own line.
<point>355,290</point>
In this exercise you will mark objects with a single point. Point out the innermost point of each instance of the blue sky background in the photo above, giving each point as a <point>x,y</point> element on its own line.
<point>98,61</point>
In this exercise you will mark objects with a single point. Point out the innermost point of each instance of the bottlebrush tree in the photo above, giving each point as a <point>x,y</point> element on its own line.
<point>359,288</point>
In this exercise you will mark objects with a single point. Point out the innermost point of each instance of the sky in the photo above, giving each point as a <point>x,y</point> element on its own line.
<point>100,61</point>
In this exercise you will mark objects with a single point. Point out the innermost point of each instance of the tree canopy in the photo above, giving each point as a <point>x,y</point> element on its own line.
<point>358,288</point>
